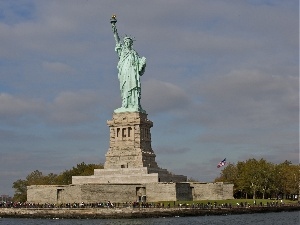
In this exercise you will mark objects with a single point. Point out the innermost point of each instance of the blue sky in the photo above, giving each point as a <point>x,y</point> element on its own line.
<point>222,80</point>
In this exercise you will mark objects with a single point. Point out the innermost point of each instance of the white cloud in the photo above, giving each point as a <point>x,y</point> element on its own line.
<point>249,98</point>
<point>67,108</point>
<point>74,107</point>
<point>13,106</point>
<point>161,96</point>
<point>221,76</point>
<point>58,67</point>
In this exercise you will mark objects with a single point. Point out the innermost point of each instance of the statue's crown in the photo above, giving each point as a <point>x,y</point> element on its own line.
<point>128,38</point>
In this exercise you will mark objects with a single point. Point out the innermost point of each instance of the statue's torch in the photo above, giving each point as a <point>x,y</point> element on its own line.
<point>113,20</point>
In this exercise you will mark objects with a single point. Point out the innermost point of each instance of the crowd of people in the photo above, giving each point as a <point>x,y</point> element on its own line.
<point>108,204</point>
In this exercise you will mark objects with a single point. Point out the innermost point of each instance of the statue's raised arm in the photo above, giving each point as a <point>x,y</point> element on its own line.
<point>113,22</point>
<point>130,66</point>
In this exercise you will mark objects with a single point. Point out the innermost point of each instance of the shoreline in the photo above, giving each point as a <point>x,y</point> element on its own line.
<point>129,213</point>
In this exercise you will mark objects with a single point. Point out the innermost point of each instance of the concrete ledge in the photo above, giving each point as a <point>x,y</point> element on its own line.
<point>117,179</point>
<point>96,213</point>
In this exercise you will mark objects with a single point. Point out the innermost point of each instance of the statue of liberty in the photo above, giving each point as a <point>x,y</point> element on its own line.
<point>130,67</point>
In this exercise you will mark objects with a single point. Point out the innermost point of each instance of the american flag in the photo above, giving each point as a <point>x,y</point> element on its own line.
<point>222,163</point>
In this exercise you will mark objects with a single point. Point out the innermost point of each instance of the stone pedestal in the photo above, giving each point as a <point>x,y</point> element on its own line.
<point>130,173</point>
<point>130,142</point>
<point>130,158</point>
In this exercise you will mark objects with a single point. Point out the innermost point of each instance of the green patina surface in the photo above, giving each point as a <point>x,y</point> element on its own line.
<point>130,66</point>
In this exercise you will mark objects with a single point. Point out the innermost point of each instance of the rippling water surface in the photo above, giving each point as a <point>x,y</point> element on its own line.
<point>284,218</point>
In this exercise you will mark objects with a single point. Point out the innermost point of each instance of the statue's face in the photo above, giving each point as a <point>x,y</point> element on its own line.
<point>128,43</point>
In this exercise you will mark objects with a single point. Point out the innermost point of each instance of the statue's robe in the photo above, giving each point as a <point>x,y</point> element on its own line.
<point>130,67</point>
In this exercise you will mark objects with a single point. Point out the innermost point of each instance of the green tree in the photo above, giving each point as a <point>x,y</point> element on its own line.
<point>51,179</point>
<point>20,187</point>
<point>265,177</point>
<point>293,180</point>
<point>230,174</point>
<point>37,178</point>
<point>34,178</point>
<point>191,179</point>
<point>254,177</point>
<point>81,169</point>
<point>287,179</point>
<point>282,171</point>
<point>259,178</point>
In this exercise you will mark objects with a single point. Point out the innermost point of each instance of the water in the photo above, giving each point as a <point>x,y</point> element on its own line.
<point>279,218</point>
